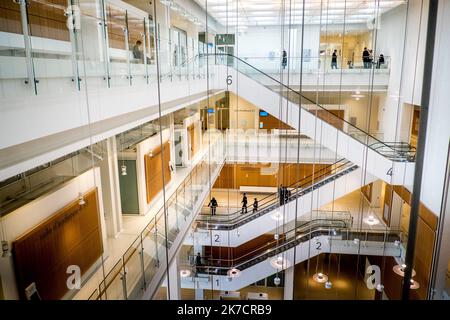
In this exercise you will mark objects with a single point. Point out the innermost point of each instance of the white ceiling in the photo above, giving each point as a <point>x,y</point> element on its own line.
<point>244,13</point>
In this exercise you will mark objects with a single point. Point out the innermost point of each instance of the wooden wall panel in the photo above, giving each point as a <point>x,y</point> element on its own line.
<point>192,141</point>
<point>233,176</point>
<point>154,163</point>
<point>367,191</point>
<point>226,178</point>
<point>387,202</point>
<point>48,20</point>
<point>10,20</point>
<point>72,236</point>
<point>270,122</point>
<point>241,252</point>
<point>335,118</point>
<point>425,238</point>
<point>423,257</point>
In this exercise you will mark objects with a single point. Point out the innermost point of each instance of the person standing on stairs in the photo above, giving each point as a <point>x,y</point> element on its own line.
<point>255,205</point>
<point>281,195</point>
<point>213,205</point>
<point>244,204</point>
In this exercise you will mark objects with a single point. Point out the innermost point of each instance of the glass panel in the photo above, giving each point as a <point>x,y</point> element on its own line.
<point>112,287</point>
<point>118,51</point>
<point>92,45</point>
<point>53,56</point>
<point>134,270</point>
<point>13,70</point>
<point>137,42</point>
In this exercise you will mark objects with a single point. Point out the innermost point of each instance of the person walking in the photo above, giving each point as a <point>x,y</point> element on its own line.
<point>281,194</point>
<point>334,60</point>
<point>380,61</point>
<point>213,205</point>
<point>198,259</point>
<point>284,60</point>
<point>287,194</point>
<point>244,204</point>
<point>197,263</point>
<point>255,205</point>
<point>365,58</point>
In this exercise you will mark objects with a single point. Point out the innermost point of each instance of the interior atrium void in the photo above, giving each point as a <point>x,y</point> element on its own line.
<point>224,150</point>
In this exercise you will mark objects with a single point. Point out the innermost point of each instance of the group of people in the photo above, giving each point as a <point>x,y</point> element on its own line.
<point>367,58</point>
<point>283,194</point>
<point>213,205</point>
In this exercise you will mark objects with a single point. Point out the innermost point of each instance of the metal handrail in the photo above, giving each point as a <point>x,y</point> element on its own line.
<point>340,224</point>
<point>302,237</point>
<point>302,96</point>
<point>299,183</point>
<point>304,188</point>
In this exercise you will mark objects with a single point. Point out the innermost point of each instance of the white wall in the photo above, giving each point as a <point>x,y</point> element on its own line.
<point>30,215</point>
<point>438,131</point>
<point>407,52</point>
<point>261,42</point>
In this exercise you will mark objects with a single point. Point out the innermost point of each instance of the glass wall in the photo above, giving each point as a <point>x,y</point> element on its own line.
<point>267,136</point>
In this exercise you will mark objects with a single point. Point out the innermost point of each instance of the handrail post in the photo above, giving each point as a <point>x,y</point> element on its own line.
<point>123,277</point>
<point>141,253</point>
<point>156,245</point>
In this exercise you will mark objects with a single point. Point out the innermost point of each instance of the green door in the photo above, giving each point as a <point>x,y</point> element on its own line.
<point>128,187</point>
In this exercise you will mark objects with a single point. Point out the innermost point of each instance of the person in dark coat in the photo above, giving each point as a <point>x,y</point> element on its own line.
<point>284,60</point>
<point>334,60</point>
<point>366,58</point>
<point>244,204</point>
<point>255,205</point>
<point>281,195</point>
<point>380,61</point>
<point>213,205</point>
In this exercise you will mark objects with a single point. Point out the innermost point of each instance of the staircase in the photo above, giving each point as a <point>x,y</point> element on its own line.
<point>298,245</point>
<point>310,193</point>
<point>391,162</point>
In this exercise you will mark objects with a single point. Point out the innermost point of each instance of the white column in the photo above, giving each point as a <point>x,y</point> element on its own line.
<point>172,143</point>
<point>289,283</point>
<point>199,294</point>
<point>174,281</point>
<point>111,189</point>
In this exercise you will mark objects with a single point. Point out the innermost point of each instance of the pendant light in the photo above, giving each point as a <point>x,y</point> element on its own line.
<point>319,277</point>
<point>123,167</point>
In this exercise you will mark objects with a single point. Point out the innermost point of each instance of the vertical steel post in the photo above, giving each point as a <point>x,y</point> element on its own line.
<point>415,198</point>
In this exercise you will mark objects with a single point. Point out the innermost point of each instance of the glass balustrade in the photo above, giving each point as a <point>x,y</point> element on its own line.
<point>398,151</point>
<point>148,252</point>
<point>336,230</point>
<point>313,65</point>
<point>273,201</point>
<point>89,44</point>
